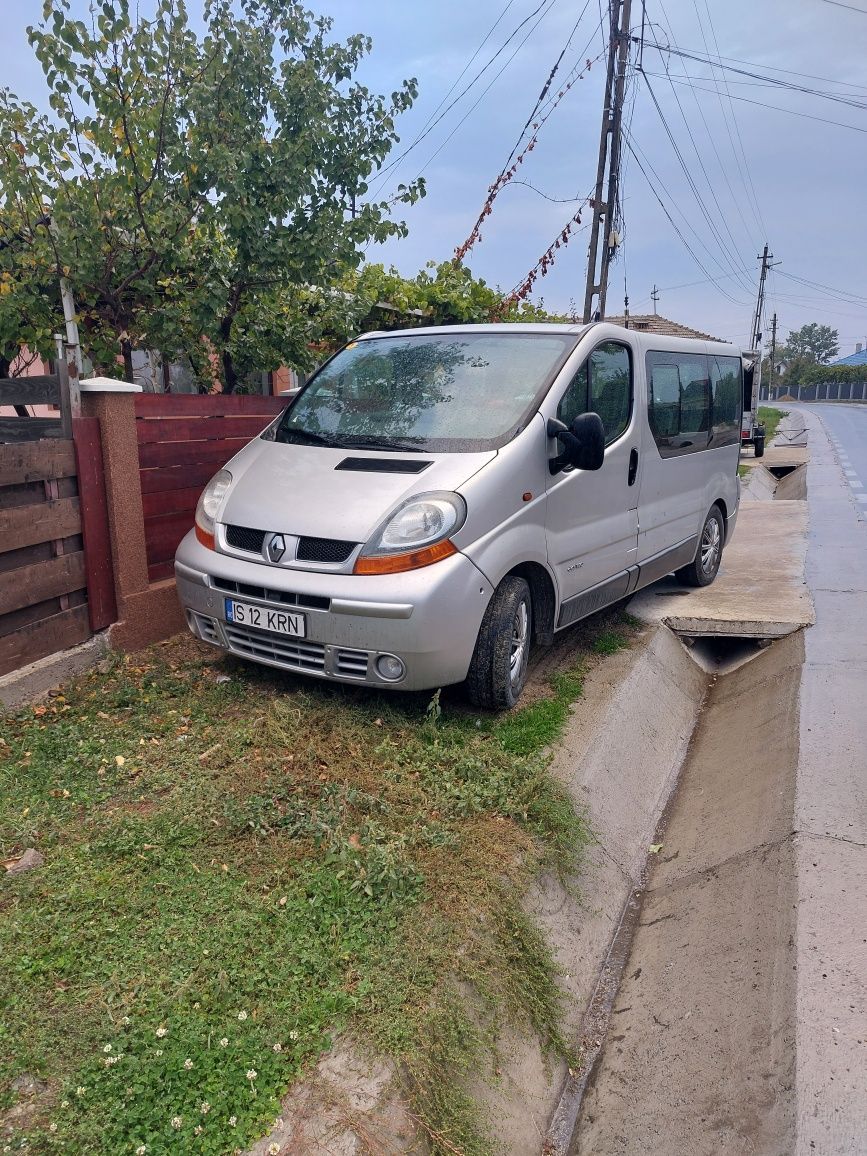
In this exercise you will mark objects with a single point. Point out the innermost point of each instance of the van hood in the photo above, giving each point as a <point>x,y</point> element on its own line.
<point>299,490</point>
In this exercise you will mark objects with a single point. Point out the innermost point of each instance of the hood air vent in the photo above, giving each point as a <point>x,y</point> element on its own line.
<point>383,465</point>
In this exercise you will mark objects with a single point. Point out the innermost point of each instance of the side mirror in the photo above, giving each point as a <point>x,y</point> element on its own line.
<point>583,444</point>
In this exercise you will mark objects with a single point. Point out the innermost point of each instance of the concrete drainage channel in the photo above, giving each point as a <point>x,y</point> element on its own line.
<point>687,1040</point>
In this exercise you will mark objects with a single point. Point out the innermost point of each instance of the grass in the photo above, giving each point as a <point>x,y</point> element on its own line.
<point>743,471</point>
<point>241,866</point>
<point>770,419</point>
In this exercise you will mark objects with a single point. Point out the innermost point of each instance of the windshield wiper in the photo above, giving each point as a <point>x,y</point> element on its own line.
<point>365,442</point>
<point>306,435</point>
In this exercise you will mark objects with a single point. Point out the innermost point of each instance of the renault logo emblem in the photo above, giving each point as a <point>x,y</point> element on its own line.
<point>276,547</point>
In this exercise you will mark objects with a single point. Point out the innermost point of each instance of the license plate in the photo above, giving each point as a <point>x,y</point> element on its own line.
<point>261,618</point>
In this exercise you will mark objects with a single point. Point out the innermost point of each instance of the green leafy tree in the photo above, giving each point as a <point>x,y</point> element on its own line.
<point>199,186</point>
<point>813,344</point>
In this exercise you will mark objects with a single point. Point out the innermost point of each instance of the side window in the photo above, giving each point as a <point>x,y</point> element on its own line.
<point>726,380</point>
<point>679,402</point>
<point>574,401</point>
<point>611,387</point>
<point>602,385</point>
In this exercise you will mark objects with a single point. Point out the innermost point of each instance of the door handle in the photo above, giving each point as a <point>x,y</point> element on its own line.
<point>633,467</point>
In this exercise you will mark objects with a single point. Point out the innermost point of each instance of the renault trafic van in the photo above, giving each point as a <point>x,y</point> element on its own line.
<point>436,500</point>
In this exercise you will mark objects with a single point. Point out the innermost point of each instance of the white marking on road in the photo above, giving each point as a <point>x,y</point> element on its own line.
<point>861,497</point>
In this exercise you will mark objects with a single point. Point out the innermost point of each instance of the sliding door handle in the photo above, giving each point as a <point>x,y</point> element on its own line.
<point>633,467</point>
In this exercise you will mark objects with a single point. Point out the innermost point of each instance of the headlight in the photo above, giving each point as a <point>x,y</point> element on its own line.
<point>208,506</point>
<point>416,534</point>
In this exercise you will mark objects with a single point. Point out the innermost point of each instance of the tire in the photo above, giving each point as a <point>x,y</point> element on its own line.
<point>703,568</point>
<point>759,445</point>
<point>498,669</point>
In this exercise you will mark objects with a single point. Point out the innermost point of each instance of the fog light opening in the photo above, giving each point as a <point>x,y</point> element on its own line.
<point>390,667</point>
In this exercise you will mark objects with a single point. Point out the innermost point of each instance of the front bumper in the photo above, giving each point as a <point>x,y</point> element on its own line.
<point>428,618</point>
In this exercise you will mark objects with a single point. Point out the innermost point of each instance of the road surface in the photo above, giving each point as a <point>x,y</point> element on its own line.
<point>846,426</point>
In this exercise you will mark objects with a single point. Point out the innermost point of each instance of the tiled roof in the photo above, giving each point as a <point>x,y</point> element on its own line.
<point>653,323</point>
<point>853,359</point>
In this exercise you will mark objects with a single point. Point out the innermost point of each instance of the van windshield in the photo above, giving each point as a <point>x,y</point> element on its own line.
<point>434,392</point>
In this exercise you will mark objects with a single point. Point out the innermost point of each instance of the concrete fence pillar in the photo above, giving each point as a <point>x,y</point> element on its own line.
<point>145,612</point>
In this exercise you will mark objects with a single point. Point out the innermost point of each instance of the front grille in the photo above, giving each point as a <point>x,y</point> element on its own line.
<point>351,663</point>
<point>289,653</point>
<point>242,538</point>
<point>324,550</point>
<point>264,594</point>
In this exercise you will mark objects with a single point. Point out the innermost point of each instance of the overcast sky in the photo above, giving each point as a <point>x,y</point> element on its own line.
<point>799,183</point>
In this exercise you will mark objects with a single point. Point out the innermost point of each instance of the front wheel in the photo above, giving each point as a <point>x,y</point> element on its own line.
<point>498,669</point>
<point>703,568</point>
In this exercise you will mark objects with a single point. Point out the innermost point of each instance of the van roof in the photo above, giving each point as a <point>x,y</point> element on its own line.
<point>610,329</point>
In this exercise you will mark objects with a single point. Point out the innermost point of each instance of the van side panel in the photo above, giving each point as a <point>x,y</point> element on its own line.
<point>503,528</point>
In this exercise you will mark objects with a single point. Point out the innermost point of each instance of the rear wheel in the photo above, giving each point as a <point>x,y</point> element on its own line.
<point>498,669</point>
<point>703,568</point>
<point>759,444</point>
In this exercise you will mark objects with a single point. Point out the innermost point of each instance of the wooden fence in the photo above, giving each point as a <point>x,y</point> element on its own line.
<point>19,392</point>
<point>182,441</point>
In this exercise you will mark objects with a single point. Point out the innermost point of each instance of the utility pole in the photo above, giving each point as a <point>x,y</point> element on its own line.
<point>654,297</point>
<point>766,259</point>
<point>773,353</point>
<point>604,210</point>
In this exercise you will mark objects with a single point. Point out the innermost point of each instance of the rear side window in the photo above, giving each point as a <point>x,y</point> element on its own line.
<point>680,402</point>
<point>726,382</point>
<point>602,385</point>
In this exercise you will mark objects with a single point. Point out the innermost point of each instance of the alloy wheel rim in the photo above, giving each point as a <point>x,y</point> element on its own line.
<point>520,632</point>
<point>710,544</point>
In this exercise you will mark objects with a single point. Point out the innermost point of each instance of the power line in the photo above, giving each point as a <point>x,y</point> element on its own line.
<point>858,298</point>
<point>851,7</point>
<point>428,129</point>
<point>673,223</point>
<point>763,104</point>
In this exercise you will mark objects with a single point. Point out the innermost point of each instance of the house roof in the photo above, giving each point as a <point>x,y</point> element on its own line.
<point>653,323</point>
<point>853,359</point>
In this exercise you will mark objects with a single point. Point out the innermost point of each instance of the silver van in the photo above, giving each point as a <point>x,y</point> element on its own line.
<point>436,500</point>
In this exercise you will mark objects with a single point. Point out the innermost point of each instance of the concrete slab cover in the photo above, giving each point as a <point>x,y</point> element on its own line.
<point>760,589</point>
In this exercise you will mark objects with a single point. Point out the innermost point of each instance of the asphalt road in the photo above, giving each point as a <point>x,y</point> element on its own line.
<point>846,426</point>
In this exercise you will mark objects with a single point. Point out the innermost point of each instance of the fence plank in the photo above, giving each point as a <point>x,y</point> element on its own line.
<point>154,405</point>
<point>41,581</point>
<point>59,632</point>
<point>101,596</point>
<point>170,502</point>
<point>152,455</point>
<point>27,525</point>
<point>167,478</point>
<point>163,535</point>
<point>30,429</point>
<point>29,391</point>
<point>193,429</point>
<point>36,462</point>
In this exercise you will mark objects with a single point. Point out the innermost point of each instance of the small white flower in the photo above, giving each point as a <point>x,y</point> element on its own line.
<point>80,1090</point>
<point>107,1048</point>
<point>293,1035</point>
<point>242,1015</point>
<point>278,1123</point>
<point>273,1150</point>
<point>177,1122</point>
<point>141,1150</point>
<point>187,1065</point>
<point>252,1073</point>
<point>52,1127</point>
<point>224,1043</point>
<point>277,1048</point>
<point>162,1032</point>
<point>109,1060</point>
<point>158,1051</point>
<point>126,1020</point>
<point>233,1120</point>
<point>205,1108</point>
<point>64,1103</point>
<point>196,1006</point>
<point>197,1131</point>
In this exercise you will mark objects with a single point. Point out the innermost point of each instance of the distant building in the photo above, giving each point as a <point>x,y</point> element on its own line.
<point>859,357</point>
<point>653,323</point>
